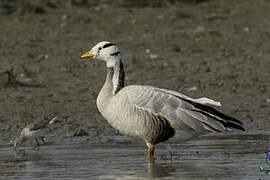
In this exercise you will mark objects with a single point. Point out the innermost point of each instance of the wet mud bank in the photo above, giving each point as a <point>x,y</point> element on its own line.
<point>216,49</point>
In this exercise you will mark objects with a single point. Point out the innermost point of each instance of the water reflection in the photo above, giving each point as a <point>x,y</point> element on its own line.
<point>156,170</point>
<point>221,157</point>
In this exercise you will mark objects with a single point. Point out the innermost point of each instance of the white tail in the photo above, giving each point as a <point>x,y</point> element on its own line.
<point>208,101</point>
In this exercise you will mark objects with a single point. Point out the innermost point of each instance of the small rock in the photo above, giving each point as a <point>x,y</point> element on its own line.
<point>97,8</point>
<point>193,88</point>
<point>246,29</point>
<point>119,21</point>
<point>199,29</point>
<point>63,24</point>
<point>63,17</point>
<point>153,56</point>
<point>134,21</point>
<point>42,57</point>
<point>160,17</point>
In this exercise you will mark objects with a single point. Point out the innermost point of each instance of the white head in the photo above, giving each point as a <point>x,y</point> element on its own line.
<point>105,51</point>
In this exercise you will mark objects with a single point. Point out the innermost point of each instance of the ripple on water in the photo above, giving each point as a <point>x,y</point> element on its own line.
<point>235,156</point>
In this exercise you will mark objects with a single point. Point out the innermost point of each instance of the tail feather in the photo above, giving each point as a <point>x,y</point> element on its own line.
<point>227,121</point>
<point>207,101</point>
<point>202,105</point>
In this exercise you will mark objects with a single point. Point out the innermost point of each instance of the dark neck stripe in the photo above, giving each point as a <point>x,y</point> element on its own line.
<point>108,45</point>
<point>120,78</point>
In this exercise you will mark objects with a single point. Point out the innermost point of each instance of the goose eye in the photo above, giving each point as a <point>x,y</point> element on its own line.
<point>99,48</point>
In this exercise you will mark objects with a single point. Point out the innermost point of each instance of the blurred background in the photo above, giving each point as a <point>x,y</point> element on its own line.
<point>202,48</point>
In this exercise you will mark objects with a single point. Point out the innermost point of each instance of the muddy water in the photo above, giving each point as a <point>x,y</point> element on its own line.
<point>230,156</point>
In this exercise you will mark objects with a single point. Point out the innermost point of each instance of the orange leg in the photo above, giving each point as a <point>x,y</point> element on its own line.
<point>150,152</point>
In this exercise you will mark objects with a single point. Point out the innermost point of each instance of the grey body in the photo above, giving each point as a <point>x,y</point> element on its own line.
<point>153,114</point>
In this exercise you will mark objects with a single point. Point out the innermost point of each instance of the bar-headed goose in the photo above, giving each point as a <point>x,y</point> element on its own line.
<point>151,113</point>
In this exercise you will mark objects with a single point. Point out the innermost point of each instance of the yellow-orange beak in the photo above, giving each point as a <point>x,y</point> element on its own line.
<point>87,55</point>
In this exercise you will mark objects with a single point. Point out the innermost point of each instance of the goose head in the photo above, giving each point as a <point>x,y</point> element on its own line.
<point>105,51</point>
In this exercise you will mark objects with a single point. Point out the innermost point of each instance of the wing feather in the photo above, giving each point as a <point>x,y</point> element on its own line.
<point>180,110</point>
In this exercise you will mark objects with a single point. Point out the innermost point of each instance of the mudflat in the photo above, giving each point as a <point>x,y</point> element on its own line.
<point>215,49</point>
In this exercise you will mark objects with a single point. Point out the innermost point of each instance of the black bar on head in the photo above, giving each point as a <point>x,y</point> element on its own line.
<point>108,45</point>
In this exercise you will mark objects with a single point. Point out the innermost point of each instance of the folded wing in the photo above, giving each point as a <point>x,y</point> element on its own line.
<point>181,111</point>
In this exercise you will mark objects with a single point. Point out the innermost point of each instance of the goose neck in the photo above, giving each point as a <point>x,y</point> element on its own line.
<point>118,77</point>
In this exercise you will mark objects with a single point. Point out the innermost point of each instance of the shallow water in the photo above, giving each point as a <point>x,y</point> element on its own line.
<point>230,156</point>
